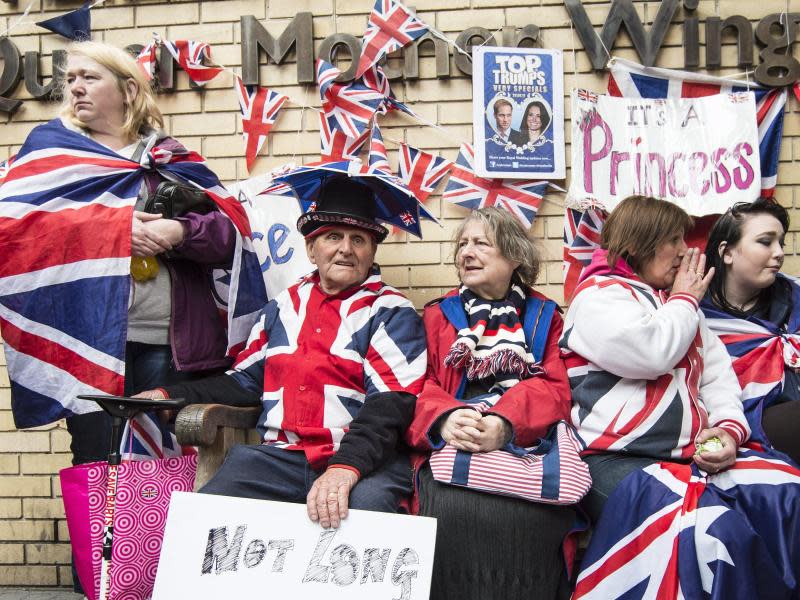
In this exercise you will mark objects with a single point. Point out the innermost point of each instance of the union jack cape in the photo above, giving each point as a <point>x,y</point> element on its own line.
<point>670,531</point>
<point>521,198</point>
<point>391,26</point>
<point>65,226</point>
<point>762,352</point>
<point>630,80</point>
<point>260,107</point>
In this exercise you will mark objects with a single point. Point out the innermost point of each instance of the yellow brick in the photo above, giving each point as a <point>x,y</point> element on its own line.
<point>211,33</point>
<point>43,508</point>
<point>27,530</point>
<point>35,576</point>
<point>288,8</point>
<point>60,440</point>
<point>10,508</point>
<point>44,463</point>
<point>395,276</point>
<point>172,13</point>
<point>47,554</point>
<point>24,441</point>
<point>65,577</point>
<point>180,102</point>
<point>12,553</point>
<point>13,486</point>
<point>139,35</point>
<point>227,10</point>
<point>433,276</point>
<point>421,296</point>
<point>106,17</point>
<point>416,253</point>
<point>210,124</point>
<point>9,464</point>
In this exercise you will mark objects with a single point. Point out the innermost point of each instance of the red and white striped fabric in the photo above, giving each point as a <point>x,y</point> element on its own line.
<point>551,473</point>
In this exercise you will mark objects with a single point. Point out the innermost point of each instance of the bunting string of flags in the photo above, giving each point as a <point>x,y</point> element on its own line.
<point>260,107</point>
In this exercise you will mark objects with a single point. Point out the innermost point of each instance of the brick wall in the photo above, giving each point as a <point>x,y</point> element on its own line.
<point>33,537</point>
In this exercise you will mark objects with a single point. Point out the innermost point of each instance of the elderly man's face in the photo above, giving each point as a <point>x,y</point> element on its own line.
<point>503,117</point>
<point>343,256</point>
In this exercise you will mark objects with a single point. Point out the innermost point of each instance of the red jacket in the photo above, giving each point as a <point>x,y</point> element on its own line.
<point>531,406</point>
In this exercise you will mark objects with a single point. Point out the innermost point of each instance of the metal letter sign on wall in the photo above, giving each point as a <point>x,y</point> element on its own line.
<point>775,33</point>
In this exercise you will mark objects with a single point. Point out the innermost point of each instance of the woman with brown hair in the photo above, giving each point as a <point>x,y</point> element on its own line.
<point>657,403</point>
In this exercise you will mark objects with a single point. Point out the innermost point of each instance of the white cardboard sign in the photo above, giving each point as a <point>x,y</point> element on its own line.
<point>221,547</point>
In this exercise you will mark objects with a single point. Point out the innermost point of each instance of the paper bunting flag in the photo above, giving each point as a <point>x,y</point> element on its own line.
<point>75,25</point>
<point>391,26</point>
<point>147,59</point>
<point>422,171</point>
<point>335,145</point>
<point>581,238</point>
<point>378,161</point>
<point>190,56</point>
<point>260,107</point>
<point>521,198</point>
<point>348,107</point>
<point>375,79</point>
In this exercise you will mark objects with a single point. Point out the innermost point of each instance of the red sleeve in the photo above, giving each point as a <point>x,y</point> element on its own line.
<point>534,404</point>
<point>433,401</point>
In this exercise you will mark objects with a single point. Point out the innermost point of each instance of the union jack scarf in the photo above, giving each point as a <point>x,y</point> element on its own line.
<point>391,26</point>
<point>670,531</point>
<point>493,345</point>
<point>761,352</point>
<point>66,207</point>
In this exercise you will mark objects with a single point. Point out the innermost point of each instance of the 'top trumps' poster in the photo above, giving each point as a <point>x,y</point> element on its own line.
<point>518,112</point>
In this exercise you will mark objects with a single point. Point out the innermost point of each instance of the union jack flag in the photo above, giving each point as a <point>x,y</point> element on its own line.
<point>145,437</point>
<point>630,80</point>
<point>147,59</point>
<point>58,345</point>
<point>378,161</point>
<point>260,107</point>
<point>766,357</point>
<point>391,26</point>
<point>581,239</point>
<point>671,532</point>
<point>521,198</point>
<point>347,107</point>
<point>422,171</point>
<point>375,79</point>
<point>336,145</point>
<point>190,56</point>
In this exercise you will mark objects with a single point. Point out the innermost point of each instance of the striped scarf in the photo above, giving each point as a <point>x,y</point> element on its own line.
<point>494,342</point>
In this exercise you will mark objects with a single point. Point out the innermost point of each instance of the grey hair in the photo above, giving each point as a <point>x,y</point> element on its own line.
<point>510,238</point>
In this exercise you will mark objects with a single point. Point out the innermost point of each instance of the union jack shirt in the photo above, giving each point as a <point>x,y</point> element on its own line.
<point>326,355</point>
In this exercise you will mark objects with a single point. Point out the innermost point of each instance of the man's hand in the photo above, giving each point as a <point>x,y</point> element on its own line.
<point>494,433</point>
<point>460,429</point>
<point>328,498</point>
<point>714,462</point>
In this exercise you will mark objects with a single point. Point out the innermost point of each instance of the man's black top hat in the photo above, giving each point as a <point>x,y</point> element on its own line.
<point>343,201</point>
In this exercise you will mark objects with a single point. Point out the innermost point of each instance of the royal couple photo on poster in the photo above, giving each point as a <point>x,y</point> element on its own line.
<point>519,127</point>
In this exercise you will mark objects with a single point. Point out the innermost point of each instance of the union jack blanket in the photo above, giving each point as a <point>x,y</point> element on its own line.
<point>670,531</point>
<point>66,205</point>
<point>765,357</point>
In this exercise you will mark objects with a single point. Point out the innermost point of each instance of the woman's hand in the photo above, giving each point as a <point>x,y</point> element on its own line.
<point>165,415</point>
<point>495,433</point>
<point>691,277</point>
<point>149,239</point>
<point>328,498</point>
<point>714,462</point>
<point>460,429</point>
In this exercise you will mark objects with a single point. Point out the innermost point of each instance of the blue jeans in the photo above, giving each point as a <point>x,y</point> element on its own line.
<point>269,473</point>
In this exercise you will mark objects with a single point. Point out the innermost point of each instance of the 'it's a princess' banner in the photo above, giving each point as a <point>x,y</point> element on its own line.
<point>700,153</point>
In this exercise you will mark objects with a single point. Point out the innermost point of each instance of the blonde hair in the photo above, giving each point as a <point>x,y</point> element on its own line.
<point>638,226</point>
<point>142,112</point>
<point>510,238</point>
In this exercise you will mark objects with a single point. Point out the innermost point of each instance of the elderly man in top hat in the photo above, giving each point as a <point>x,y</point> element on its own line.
<point>336,361</point>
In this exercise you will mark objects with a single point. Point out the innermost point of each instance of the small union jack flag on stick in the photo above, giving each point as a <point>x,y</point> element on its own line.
<point>348,107</point>
<point>521,198</point>
<point>391,26</point>
<point>422,171</point>
<point>190,56</point>
<point>260,107</point>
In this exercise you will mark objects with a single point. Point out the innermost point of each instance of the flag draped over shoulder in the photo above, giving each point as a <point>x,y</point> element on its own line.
<point>761,352</point>
<point>672,532</point>
<point>66,207</point>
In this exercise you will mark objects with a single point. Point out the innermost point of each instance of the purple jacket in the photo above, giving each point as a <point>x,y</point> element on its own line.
<point>196,328</point>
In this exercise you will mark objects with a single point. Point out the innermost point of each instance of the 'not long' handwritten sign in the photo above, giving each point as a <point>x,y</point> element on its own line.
<point>220,547</point>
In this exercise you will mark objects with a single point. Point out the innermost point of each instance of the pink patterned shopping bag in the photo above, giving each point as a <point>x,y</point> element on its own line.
<point>142,499</point>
